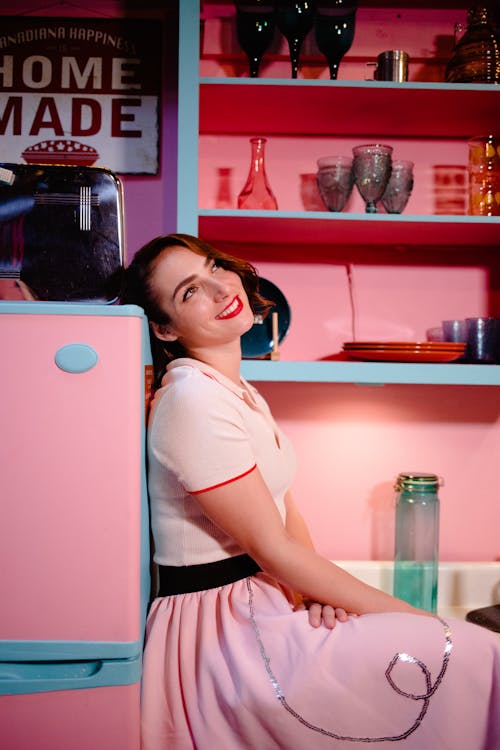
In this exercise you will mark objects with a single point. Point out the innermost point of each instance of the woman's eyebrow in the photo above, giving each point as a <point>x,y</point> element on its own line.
<point>182,283</point>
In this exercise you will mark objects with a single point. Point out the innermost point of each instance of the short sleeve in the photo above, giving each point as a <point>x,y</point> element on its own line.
<point>198,433</point>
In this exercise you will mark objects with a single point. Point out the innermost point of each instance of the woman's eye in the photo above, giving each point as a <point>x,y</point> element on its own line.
<point>188,293</point>
<point>215,267</point>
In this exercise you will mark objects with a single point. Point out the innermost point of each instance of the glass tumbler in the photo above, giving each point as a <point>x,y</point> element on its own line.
<point>335,181</point>
<point>483,341</point>
<point>309,192</point>
<point>484,176</point>
<point>399,187</point>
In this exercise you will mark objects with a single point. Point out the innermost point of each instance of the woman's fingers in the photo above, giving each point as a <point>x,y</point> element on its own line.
<point>323,614</point>
<point>341,614</point>
<point>315,614</point>
<point>329,616</point>
<point>326,614</point>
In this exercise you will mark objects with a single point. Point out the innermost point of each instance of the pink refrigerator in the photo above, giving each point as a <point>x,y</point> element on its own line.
<point>74,548</point>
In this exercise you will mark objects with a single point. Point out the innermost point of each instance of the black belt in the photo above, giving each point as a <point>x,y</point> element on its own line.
<point>185,579</point>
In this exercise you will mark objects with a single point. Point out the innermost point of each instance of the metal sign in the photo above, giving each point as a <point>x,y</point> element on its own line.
<point>81,91</point>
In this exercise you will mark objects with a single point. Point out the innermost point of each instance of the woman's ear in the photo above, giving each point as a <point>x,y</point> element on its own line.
<point>164,332</point>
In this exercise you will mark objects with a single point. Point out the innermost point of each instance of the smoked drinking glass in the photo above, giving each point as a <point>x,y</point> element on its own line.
<point>399,187</point>
<point>372,167</point>
<point>255,26</point>
<point>334,30</point>
<point>295,18</point>
<point>335,181</point>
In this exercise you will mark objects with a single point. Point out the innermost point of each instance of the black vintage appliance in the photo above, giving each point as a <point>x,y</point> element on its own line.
<point>61,232</point>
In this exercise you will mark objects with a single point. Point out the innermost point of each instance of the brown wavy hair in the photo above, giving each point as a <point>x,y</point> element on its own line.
<point>137,288</point>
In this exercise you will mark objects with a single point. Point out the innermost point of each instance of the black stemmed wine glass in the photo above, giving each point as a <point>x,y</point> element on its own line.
<point>295,18</point>
<point>334,30</point>
<point>255,30</point>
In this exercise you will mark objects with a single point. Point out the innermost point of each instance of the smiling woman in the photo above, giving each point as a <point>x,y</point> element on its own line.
<point>177,263</point>
<point>254,640</point>
<point>208,310</point>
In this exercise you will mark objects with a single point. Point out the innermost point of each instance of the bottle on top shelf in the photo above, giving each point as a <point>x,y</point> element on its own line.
<point>476,58</point>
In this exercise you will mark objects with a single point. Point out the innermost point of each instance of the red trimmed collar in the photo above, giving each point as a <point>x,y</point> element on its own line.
<point>211,372</point>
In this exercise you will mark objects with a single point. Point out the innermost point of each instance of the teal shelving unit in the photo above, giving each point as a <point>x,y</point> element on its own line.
<point>458,110</point>
<point>371,373</point>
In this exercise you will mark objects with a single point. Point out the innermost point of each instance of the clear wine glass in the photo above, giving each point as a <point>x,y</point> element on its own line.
<point>372,166</point>
<point>334,30</point>
<point>295,18</point>
<point>255,24</point>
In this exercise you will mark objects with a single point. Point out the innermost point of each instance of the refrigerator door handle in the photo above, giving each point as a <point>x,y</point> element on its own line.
<point>76,358</point>
<point>42,677</point>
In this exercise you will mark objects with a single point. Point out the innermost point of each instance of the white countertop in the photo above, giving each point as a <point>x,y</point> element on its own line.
<point>462,586</point>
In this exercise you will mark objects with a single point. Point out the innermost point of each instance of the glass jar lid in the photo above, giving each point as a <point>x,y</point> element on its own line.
<point>415,481</point>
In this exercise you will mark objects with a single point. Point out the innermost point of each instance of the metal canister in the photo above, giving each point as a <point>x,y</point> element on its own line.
<point>392,65</point>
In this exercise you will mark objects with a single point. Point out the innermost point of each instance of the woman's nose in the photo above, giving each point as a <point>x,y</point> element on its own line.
<point>220,289</point>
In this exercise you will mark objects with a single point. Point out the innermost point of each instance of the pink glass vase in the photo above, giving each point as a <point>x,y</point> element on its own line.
<point>256,193</point>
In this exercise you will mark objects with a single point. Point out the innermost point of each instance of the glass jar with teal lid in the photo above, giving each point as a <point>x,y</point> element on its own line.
<point>416,549</point>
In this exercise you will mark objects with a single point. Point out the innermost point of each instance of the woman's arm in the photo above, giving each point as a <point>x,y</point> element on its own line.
<point>246,511</point>
<point>317,611</point>
<point>295,524</point>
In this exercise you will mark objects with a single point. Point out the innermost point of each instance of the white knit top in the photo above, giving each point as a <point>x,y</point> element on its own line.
<point>205,431</point>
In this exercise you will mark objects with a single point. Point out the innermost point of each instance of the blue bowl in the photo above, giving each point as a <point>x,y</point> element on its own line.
<point>258,341</point>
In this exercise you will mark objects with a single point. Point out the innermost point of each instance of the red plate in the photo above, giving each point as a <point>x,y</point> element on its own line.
<point>403,355</point>
<point>406,346</point>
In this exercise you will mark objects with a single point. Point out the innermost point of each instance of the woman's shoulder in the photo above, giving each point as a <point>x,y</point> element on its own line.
<point>186,388</point>
<point>183,375</point>
<point>183,384</point>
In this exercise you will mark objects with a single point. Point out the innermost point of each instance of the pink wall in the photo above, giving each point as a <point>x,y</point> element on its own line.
<point>351,441</point>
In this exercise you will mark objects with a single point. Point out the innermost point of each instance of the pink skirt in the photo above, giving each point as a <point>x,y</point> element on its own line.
<point>235,668</point>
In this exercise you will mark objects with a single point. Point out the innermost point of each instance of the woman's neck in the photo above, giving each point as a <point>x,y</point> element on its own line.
<point>226,360</point>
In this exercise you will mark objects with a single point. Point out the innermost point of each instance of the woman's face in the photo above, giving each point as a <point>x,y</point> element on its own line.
<point>207,305</point>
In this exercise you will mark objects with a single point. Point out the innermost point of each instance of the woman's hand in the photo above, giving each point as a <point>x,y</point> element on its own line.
<point>323,613</point>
